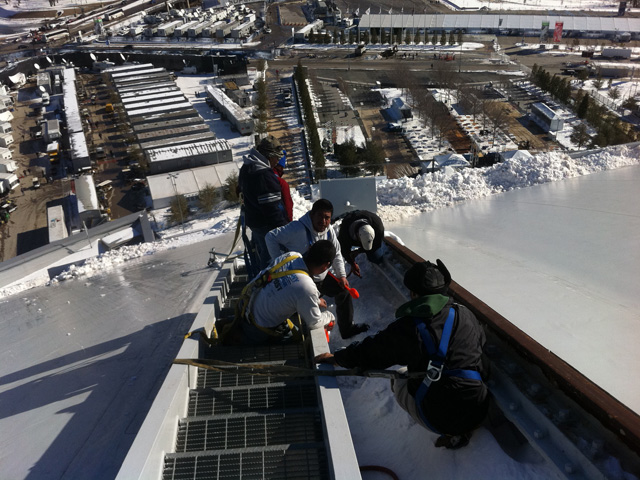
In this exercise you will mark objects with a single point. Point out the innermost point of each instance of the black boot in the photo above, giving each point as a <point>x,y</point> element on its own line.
<point>355,329</point>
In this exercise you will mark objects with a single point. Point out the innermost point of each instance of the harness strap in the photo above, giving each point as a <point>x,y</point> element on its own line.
<point>435,370</point>
<point>244,303</point>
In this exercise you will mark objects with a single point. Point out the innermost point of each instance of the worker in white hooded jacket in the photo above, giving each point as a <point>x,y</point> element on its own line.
<point>282,289</point>
<point>298,236</point>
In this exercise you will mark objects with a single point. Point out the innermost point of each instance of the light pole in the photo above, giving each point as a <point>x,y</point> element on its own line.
<point>172,177</point>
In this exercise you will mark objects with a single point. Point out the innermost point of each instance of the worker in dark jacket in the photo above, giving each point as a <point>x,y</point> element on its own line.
<point>450,398</point>
<point>363,231</point>
<point>262,196</point>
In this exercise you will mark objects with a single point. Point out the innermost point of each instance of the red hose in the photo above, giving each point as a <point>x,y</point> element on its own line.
<point>377,468</point>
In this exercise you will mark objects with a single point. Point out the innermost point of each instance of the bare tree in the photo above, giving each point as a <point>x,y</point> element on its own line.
<point>498,116</point>
<point>471,103</point>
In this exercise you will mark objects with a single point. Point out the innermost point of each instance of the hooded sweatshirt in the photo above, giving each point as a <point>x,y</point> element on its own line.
<point>452,405</point>
<point>261,192</point>
<point>298,236</point>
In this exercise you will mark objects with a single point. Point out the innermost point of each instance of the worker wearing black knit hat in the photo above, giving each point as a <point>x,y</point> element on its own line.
<point>440,340</point>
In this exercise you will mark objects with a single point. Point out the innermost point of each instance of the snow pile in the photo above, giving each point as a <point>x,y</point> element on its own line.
<point>396,199</point>
<point>106,261</point>
<point>445,188</point>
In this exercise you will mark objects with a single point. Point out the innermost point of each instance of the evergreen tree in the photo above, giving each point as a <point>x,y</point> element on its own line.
<point>443,38</point>
<point>579,135</point>
<point>208,198</point>
<point>583,75</point>
<point>178,209</point>
<point>630,103</point>
<point>347,156</point>
<point>231,188</point>
<point>583,107</point>
<point>614,94</point>
<point>434,39</point>
<point>373,158</point>
<point>597,83</point>
<point>452,39</point>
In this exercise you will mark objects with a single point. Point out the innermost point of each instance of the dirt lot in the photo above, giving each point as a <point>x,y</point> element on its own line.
<point>27,227</point>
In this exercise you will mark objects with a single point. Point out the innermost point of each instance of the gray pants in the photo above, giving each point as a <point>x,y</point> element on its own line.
<point>405,399</point>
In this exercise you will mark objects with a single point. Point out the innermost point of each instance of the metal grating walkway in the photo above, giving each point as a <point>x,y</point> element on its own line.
<point>250,427</point>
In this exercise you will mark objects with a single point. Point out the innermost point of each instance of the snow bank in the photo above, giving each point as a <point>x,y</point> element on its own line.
<point>407,196</point>
<point>396,198</point>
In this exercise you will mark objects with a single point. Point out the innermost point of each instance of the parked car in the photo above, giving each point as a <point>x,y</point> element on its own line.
<point>36,182</point>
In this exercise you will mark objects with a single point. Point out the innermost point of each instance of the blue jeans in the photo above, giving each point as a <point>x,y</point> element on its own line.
<point>257,238</point>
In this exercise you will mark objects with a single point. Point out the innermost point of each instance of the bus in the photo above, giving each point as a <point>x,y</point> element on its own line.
<point>54,35</point>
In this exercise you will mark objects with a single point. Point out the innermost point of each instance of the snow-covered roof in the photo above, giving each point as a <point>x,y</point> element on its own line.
<point>222,98</point>
<point>160,108</point>
<point>147,91</point>
<point>71,107</point>
<point>545,110</point>
<point>451,160</point>
<point>190,181</point>
<point>499,21</point>
<point>56,223</point>
<point>126,75</point>
<point>154,101</point>
<point>136,88</point>
<point>86,194</point>
<point>124,68</point>
<point>516,155</point>
<point>78,145</point>
<point>189,150</point>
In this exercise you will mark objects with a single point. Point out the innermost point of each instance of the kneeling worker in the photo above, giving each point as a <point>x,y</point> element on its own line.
<point>285,287</point>
<point>363,231</point>
<point>443,342</point>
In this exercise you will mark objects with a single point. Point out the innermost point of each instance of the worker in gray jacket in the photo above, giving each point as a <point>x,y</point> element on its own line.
<point>298,236</point>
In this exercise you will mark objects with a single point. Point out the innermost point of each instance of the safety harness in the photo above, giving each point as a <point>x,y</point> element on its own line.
<point>243,307</point>
<point>437,357</point>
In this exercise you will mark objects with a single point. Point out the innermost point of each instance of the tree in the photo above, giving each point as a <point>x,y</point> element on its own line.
<point>452,39</point>
<point>583,75</point>
<point>498,116</point>
<point>230,188</point>
<point>434,39</point>
<point>208,198</point>
<point>630,103</point>
<point>614,93</point>
<point>261,88</point>
<point>459,37</point>
<point>178,209</point>
<point>373,157</point>
<point>579,135</point>
<point>583,107</point>
<point>597,82</point>
<point>347,156</point>
<point>443,38</point>
<point>470,101</point>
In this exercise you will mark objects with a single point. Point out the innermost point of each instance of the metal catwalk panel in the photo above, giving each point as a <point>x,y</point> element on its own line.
<point>81,361</point>
<point>559,260</point>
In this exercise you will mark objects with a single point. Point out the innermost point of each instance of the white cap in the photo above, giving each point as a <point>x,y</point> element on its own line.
<point>366,235</point>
